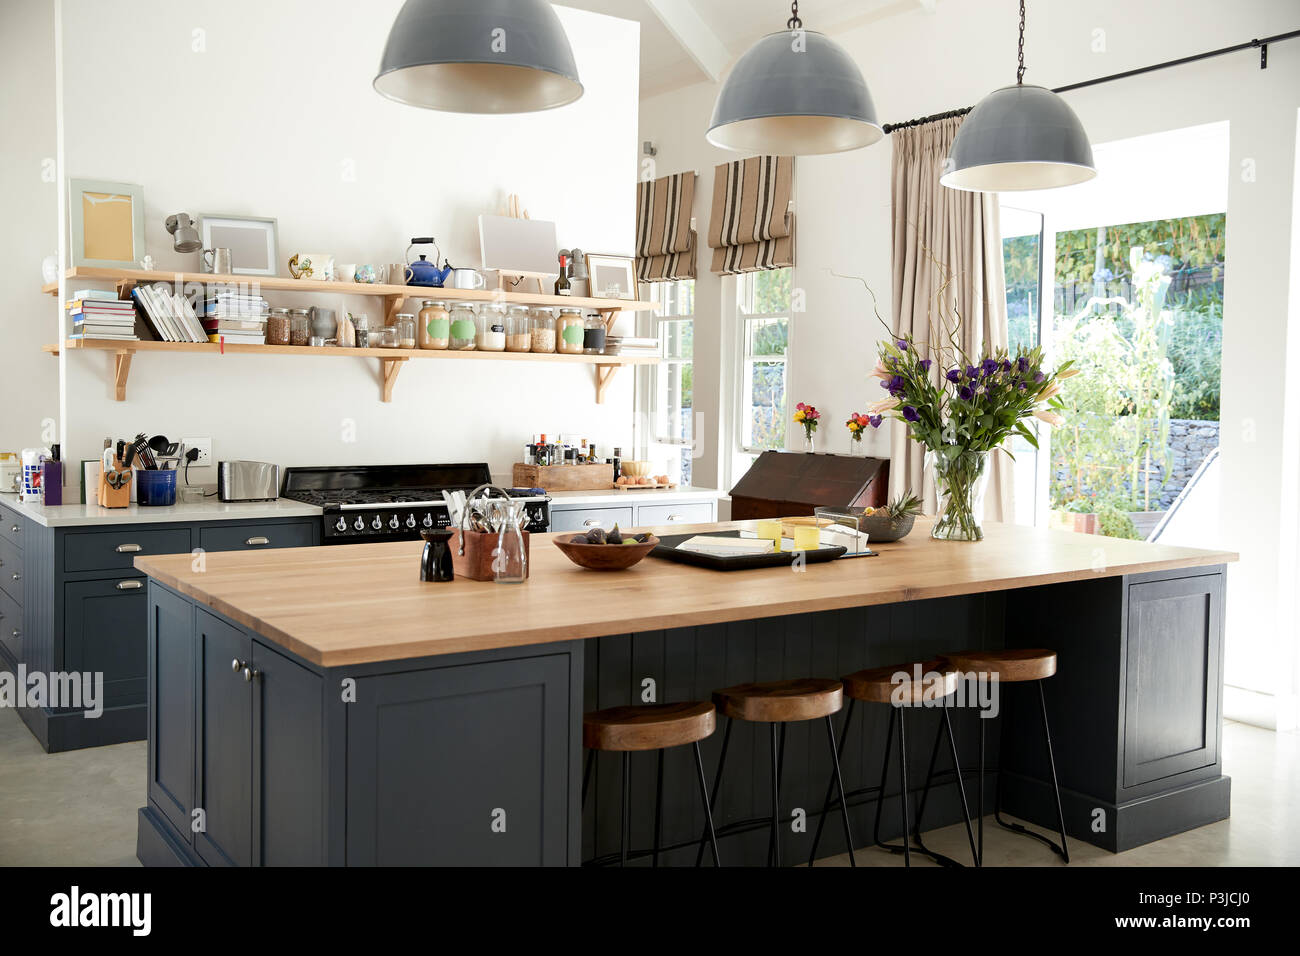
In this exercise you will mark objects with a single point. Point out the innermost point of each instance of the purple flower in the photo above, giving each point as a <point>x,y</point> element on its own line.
<point>1023,362</point>
<point>911,414</point>
<point>884,383</point>
<point>1006,365</point>
<point>966,393</point>
<point>1038,376</point>
<point>971,371</point>
<point>925,365</point>
<point>902,344</point>
<point>953,374</point>
<point>876,420</point>
<point>990,366</point>
<point>1023,387</point>
<point>895,385</point>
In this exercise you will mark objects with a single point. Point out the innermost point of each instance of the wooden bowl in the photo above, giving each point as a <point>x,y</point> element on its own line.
<point>635,469</point>
<point>604,557</point>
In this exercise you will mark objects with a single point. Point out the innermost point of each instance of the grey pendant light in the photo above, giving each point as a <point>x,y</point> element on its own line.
<point>478,56</point>
<point>1019,137</point>
<point>794,93</point>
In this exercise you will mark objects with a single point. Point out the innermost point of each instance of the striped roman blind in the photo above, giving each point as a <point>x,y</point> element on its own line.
<point>665,244</point>
<point>749,230</point>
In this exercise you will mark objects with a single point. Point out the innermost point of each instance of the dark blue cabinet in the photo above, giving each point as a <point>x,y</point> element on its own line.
<point>224,747</point>
<point>171,714</point>
<point>102,624</point>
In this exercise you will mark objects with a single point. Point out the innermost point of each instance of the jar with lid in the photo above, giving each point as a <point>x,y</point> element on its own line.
<point>299,326</point>
<point>543,330</point>
<point>405,325</point>
<point>384,338</point>
<point>519,329</point>
<point>463,328</point>
<point>491,335</point>
<point>569,331</point>
<point>434,328</point>
<point>361,326</point>
<point>593,335</point>
<point>277,327</point>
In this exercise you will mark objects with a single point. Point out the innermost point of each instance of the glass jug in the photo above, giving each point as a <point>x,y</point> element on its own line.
<point>510,559</point>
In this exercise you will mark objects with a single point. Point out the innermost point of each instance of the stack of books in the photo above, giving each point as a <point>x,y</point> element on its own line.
<point>172,315</point>
<point>630,345</point>
<point>101,317</point>
<point>236,318</point>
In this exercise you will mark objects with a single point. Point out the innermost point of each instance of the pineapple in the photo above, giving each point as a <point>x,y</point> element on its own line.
<point>901,507</point>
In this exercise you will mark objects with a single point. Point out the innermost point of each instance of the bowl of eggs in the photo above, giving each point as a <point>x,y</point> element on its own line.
<point>637,474</point>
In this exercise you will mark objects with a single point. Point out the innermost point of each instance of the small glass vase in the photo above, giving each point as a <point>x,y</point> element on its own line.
<point>960,479</point>
<point>808,442</point>
<point>855,445</point>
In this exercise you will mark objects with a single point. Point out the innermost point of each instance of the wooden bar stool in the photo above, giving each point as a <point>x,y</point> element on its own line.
<point>779,703</point>
<point>877,685</point>
<point>1014,666</point>
<point>650,727</point>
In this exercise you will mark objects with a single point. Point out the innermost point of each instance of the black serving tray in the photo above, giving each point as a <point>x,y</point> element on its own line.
<point>667,549</point>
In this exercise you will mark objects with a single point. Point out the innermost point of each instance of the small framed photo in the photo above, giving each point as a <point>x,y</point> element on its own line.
<point>250,239</point>
<point>107,223</point>
<point>611,277</point>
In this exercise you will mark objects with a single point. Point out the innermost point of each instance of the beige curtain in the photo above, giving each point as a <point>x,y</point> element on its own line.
<point>942,232</point>
<point>665,242</point>
<point>750,226</point>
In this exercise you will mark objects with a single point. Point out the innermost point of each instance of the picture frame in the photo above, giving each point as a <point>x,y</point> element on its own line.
<point>106,223</point>
<point>611,277</point>
<point>253,242</point>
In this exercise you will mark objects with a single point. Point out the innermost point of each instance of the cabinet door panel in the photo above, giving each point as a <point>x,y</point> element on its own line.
<point>11,625</point>
<point>105,631</point>
<point>257,537</point>
<point>225,744</point>
<point>171,708</point>
<point>587,518</point>
<point>503,725</point>
<point>1171,716</point>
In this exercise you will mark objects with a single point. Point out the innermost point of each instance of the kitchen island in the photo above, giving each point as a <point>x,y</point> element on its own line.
<point>323,706</point>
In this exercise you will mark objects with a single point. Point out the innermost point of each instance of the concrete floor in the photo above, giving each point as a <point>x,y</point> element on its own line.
<point>79,809</point>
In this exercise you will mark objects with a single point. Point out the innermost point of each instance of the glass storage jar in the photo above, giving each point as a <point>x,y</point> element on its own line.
<point>570,328</point>
<point>593,335</point>
<point>299,326</point>
<point>405,325</point>
<point>543,330</point>
<point>277,327</point>
<point>491,335</point>
<point>434,328</point>
<point>519,329</point>
<point>463,328</point>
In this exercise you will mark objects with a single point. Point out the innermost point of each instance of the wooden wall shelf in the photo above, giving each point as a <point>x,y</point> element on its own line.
<point>391,361</point>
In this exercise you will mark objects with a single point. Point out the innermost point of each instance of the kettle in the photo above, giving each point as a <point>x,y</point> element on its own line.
<point>422,271</point>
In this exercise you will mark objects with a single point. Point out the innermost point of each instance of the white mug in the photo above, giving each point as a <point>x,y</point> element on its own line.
<point>467,279</point>
<point>345,273</point>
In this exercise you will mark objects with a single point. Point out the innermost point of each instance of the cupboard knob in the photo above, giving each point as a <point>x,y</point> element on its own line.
<point>249,674</point>
<point>16,576</point>
<point>591,523</point>
<point>14,529</point>
<point>129,585</point>
<point>128,548</point>
<point>236,666</point>
<point>17,633</point>
<point>256,542</point>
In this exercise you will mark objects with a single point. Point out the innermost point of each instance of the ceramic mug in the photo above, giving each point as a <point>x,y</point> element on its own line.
<point>467,279</point>
<point>345,273</point>
<point>399,273</point>
<point>369,274</point>
<point>310,265</point>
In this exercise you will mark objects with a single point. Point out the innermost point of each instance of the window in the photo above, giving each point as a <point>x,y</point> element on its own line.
<point>1022,261</point>
<point>673,378</point>
<point>763,315</point>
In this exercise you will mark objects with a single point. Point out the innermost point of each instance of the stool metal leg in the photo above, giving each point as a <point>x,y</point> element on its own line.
<point>1063,850</point>
<point>775,852</point>
<point>830,786</point>
<point>780,769</point>
<point>944,727</point>
<point>717,783</point>
<point>659,807</point>
<point>708,807</point>
<point>625,823</point>
<point>979,797</point>
<point>961,784</point>
<point>884,777</point>
<point>902,770</point>
<point>839,782</point>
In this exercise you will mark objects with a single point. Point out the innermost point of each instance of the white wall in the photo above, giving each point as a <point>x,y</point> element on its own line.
<point>917,64</point>
<point>266,109</point>
<point>28,191</point>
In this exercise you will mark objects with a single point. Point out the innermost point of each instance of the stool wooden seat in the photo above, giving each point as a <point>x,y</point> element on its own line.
<point>648,726</point>
<point>781,701</point>
<point>1011,666</point>
<point>878,684</point>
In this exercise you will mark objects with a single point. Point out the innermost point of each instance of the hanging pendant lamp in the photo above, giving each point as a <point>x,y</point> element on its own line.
<point>1019,137</point>
<point>794,93</point>
<point>478,56</point>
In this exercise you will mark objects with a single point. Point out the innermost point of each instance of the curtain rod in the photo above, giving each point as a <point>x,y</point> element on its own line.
<point>1261,44</point>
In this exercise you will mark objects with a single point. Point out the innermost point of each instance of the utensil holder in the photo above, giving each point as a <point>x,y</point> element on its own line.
<point>110,497</point>
<point>473,552</point>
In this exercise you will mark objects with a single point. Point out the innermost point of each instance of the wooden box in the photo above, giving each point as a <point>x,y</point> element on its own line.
<point>476,562</point>
<point>780,484</point>
<point>592,477</point>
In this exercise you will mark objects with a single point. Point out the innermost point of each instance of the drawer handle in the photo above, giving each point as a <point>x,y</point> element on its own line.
<point>676,517</point>
<point>591,523</point>
<point>129,585</point>
<point>257,542</point>
<point>128,548</point>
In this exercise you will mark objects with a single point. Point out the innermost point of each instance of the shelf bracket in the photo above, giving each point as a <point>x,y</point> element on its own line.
<point>391,369</point>
<point>125,287</point>
<point>121,370</point>
<point>392,305</point>
<point>604,375</point>
<point>610,316</point>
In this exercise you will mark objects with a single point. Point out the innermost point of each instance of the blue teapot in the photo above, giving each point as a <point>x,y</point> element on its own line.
<point>422,271</point>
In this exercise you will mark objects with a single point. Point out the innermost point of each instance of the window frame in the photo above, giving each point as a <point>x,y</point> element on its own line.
<point>743,419</point>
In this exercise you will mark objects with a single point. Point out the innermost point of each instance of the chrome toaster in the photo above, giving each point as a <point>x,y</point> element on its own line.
<point>247,481</point>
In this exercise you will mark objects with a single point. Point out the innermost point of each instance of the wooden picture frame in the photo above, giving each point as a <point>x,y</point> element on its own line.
<point>106,223</point>
<point>611,277</point>
<point>249,238</point>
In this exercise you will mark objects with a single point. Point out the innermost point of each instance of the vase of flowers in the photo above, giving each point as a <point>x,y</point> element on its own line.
<point>807,416</point>
<point>962,409</point>
<point>857,424</point>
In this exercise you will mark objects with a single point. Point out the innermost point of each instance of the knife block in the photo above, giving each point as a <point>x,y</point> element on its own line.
<point>110,497</point>
<point>476,562</point>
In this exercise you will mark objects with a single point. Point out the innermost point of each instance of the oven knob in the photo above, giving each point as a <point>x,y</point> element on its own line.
<point>428,521</point>
<point>377,524</point>
<point>394,522</point>
<point>341,524</point>
<point>360,523</point>
<point>410,521</point>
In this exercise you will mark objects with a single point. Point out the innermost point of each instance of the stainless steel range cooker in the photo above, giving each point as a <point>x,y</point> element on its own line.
<point>365,503</point>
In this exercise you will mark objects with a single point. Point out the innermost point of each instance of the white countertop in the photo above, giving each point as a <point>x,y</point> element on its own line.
<point>565,499</point>
<point>210,509</point>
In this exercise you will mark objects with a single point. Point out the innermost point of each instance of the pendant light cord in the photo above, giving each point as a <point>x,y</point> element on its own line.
<point>1020,68</point>
<point>794,23</point>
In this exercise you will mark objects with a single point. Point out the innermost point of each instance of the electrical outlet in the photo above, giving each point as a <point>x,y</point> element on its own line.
<point>204,446</point>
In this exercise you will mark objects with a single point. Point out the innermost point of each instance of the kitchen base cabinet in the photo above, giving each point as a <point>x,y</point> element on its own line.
<point>79,606</point>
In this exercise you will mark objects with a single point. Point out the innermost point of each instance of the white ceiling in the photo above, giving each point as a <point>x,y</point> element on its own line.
<point>668,62</point>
